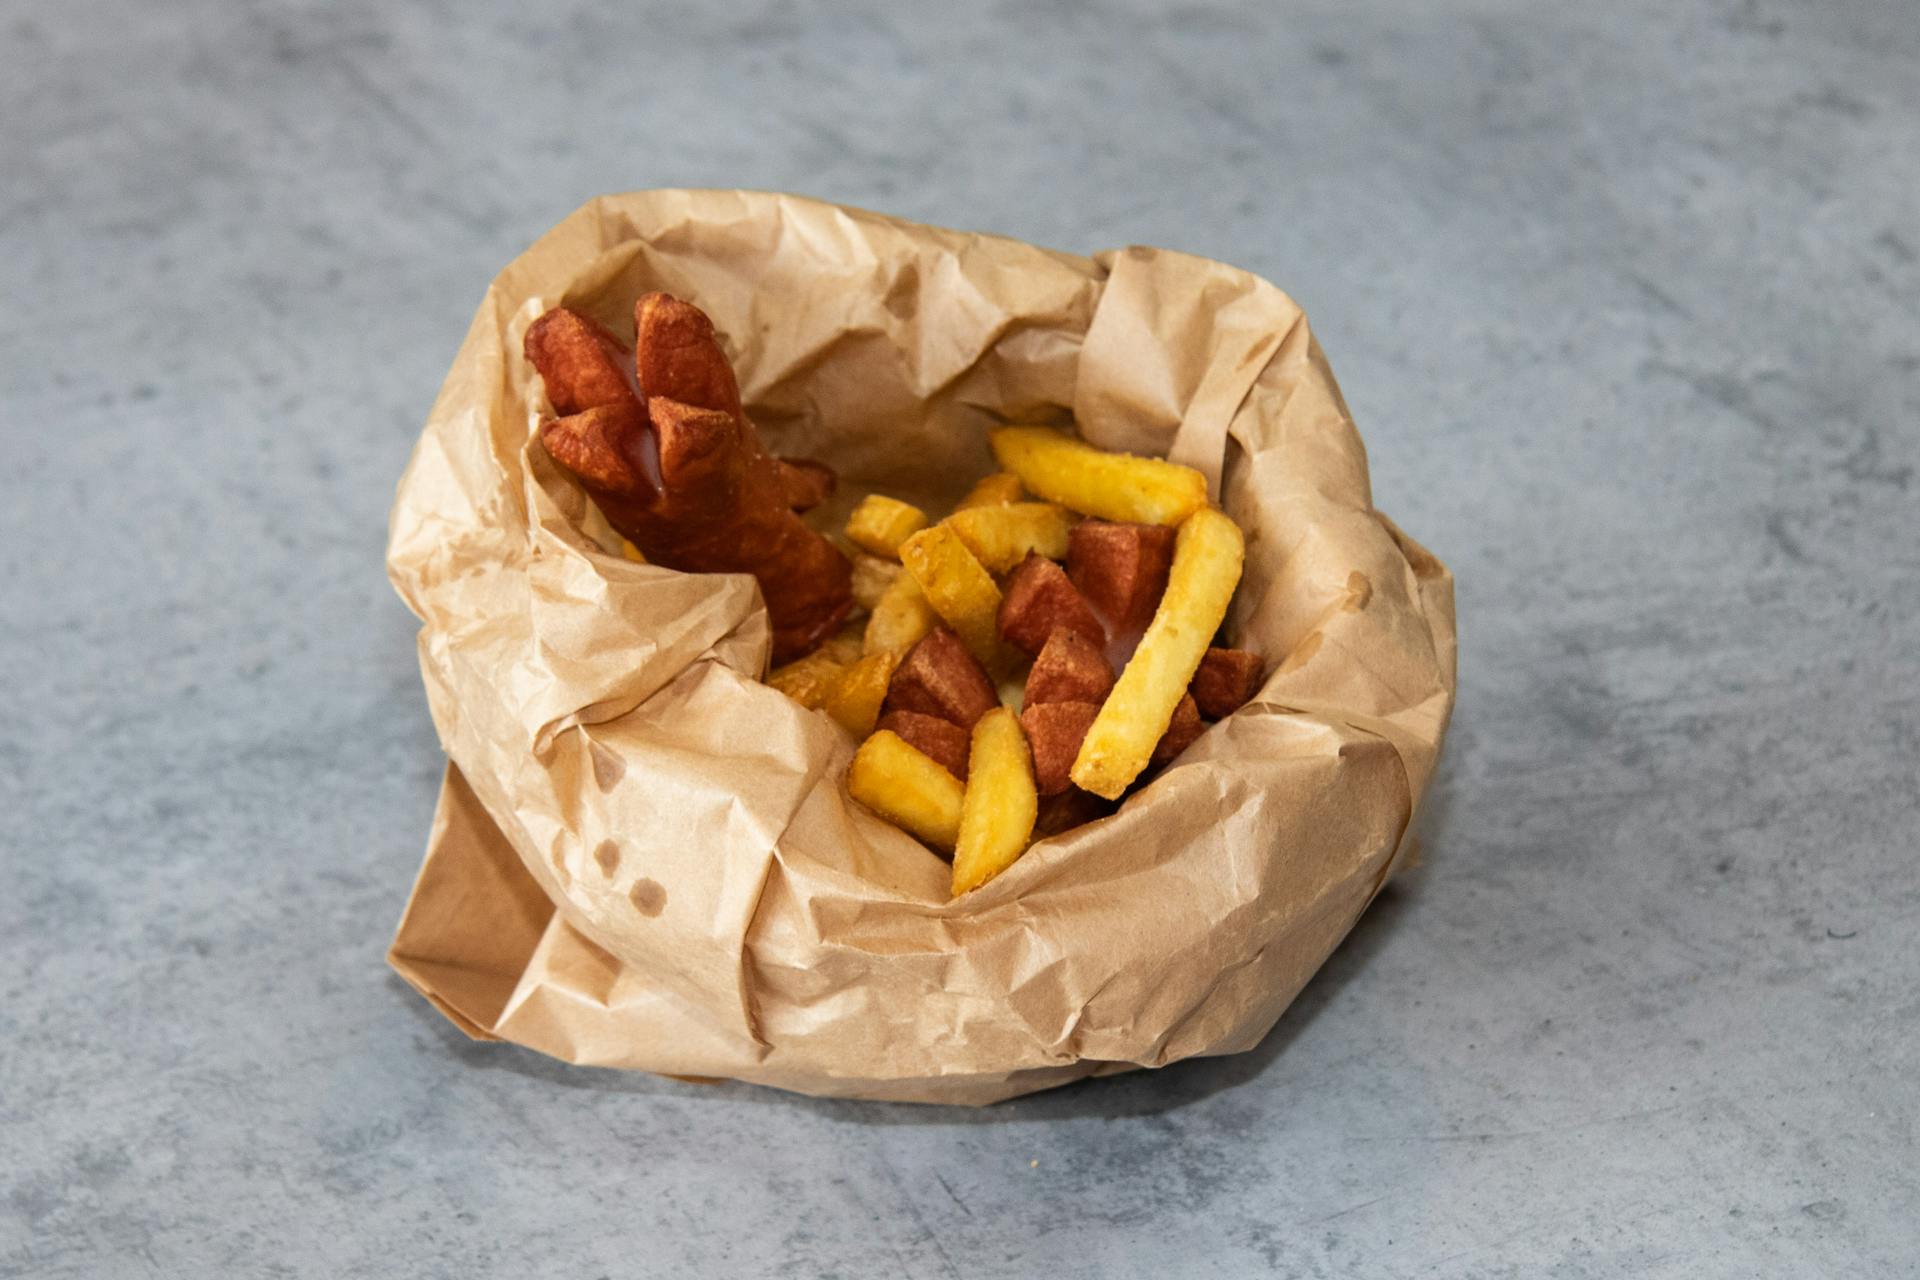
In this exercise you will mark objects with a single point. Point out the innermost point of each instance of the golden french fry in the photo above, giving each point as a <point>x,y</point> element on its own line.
<point>907,788</point>
<point>880,524</point>
<point>808,680</point>
<point>1000,537</point>
<point>958,587</point>
<point>901,616</point>
<point>1208,553</point>
<point>998,810</point>
<point>1111,486</point>
<point>871,578</point>
<point>854,701</point>
<point>843,646</point>
<point>992,491</point>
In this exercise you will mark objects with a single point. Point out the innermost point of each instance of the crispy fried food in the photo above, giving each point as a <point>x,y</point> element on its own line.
<point>958,587</point>
<point>1055,731</point>
<point>583,365</point>
<point>843,646</point>
<point>678,355</point>
<point>1071,808</point>
<point>871,578</point>
<point>686,479</point>
<point>1040,601</point>
<point>938,677</point>
<point>1208,553</point>
<point>991,491</point>
<point>880,524</point>
<point>1121,569</point>
<point>942,741</point>
<point>1111,486</point>
<point>907,789</point>
<point>854,701</point>
<point>1001,536</point>
<point>1069,669</point>
<point>998,809</point>
<point>808,680</point>
<point>1182,729</point>
<point>1225,680</point>
<point>901,616</point>
<point>805,483</point>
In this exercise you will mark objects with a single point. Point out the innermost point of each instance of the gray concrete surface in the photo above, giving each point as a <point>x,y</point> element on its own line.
<point>1624,297</point>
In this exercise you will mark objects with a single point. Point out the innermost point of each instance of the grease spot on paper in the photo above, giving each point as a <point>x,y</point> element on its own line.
<point>1303,651</point>
<point>1359,591</point>
<point>608,856</point>
<point>608,768</point>
<point>648,897</point>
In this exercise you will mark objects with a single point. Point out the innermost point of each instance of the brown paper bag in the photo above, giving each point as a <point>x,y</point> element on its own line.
<point>645,858</point>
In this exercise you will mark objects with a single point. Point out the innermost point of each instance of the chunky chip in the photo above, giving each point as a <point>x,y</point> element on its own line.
<point>808,680</point>
<point>1069,669</point>
<point>854,701</point>
<point>907,789</point>
<point>939,677</point>
<point>871,578</point>
<point>1208,554</point>
<point>1055,731</point>
<point>1000,537</point>
<point>942,741</point>
<point>1225,680</point>
<point>843,646</point>
<point>1000,804</point>
<point>1182,729</point>
<point>958,587</point>
<point>880,524</point>
<point>1040,601</point>
<point>900,617</point>
<point>1121,569</point>
<point>991,491</point>
<point>1111,486</point>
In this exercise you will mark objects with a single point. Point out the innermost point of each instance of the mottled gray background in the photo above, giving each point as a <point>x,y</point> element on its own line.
<point>1624,298</point>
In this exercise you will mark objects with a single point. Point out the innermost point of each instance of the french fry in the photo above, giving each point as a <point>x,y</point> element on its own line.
<point>1111,486</point>
<point>1000,537</point>
<point>1000,804</point>
<point>1208,553</point>
<point>854,701</point>
<point>871,578</point>
<point>992,491</point>
<point>808,680</point>
<point>958,587</point>
<point>901,616</point>
<point>843,646</point>
<point>907,788</point>
<point>880,524</point>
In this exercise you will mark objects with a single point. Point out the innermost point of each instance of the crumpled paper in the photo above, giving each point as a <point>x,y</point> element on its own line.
<point>645,858</point>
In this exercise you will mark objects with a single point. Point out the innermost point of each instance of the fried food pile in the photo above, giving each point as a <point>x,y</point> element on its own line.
<point>658,438</point>
<point>1024,661</point>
